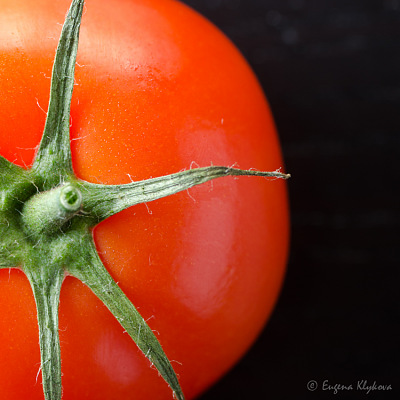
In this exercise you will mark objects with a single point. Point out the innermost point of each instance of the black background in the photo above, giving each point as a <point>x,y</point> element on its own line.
<point>330,70</point>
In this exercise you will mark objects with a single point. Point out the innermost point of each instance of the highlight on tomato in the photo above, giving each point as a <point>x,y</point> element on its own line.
<point>139,273</point>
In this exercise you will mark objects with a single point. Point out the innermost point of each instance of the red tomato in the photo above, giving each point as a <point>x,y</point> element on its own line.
<point>158,89</point>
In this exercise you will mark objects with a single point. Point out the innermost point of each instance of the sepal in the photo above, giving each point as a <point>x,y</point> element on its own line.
<point>15,182</point>
<point>103,201</point>
<point>53,159</point>
<point>88,268</point>
<point>12,242</point>
<point>46,286</point>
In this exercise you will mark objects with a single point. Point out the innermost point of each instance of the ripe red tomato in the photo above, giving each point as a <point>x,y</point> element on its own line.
<point>158,89</point>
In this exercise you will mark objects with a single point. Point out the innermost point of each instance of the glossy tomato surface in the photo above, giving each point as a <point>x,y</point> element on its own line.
<point>158,89</point>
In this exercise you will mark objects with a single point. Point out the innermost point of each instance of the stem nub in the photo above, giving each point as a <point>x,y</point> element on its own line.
<point>47,212</point>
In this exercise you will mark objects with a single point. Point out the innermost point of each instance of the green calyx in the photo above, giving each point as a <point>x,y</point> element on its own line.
<point>47,215</point>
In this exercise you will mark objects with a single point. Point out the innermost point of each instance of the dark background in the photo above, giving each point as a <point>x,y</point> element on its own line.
<point>331,71</point>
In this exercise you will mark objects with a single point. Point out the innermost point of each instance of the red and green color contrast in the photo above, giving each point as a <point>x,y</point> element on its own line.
<point>138,267</point>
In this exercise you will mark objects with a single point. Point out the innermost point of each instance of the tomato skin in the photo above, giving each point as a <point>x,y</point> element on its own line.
<point>158,89</point>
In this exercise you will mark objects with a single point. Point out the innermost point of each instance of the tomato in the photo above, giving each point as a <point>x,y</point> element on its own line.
<point>157,89</point>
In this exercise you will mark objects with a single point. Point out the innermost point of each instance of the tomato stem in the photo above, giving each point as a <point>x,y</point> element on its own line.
<point>47,212</point>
